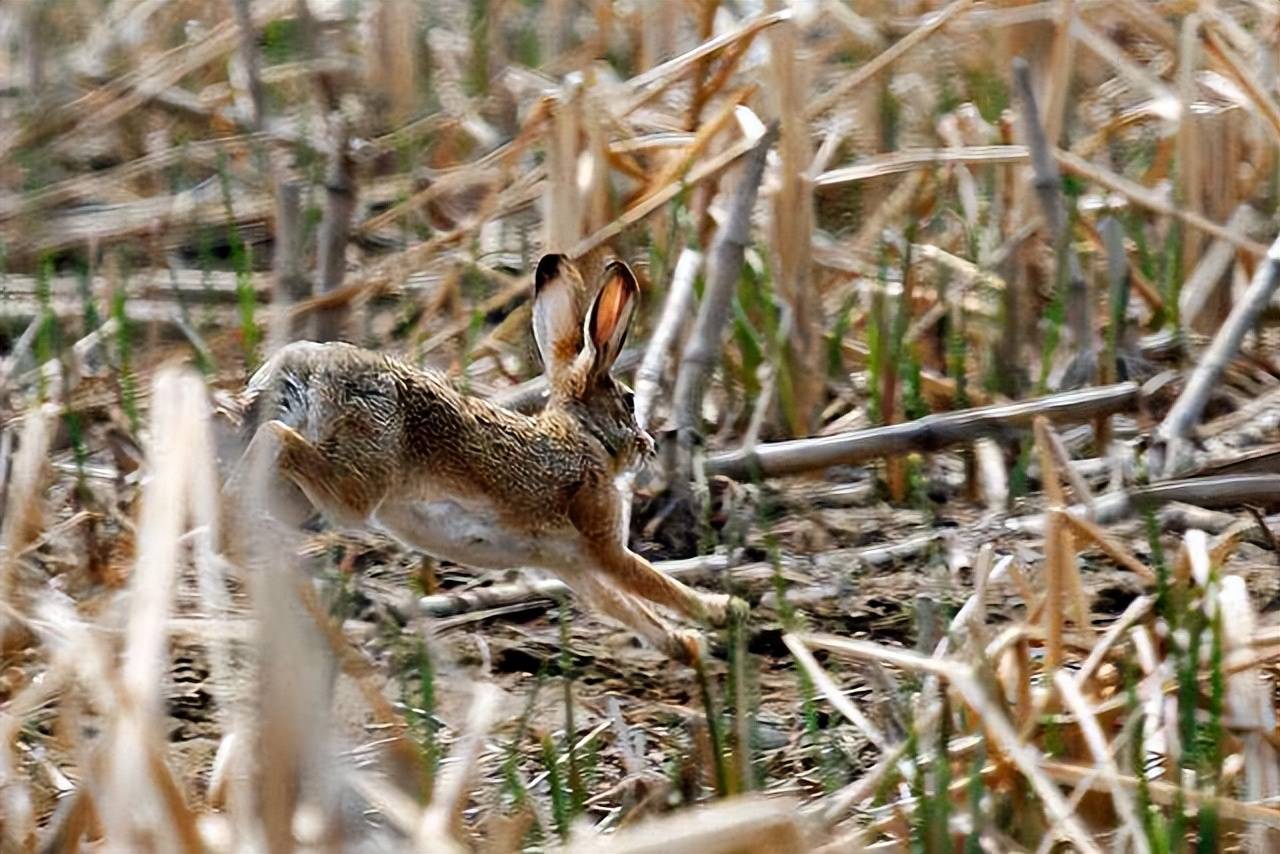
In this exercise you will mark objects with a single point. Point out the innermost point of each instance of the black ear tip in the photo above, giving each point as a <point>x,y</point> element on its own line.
<point>548,269</point>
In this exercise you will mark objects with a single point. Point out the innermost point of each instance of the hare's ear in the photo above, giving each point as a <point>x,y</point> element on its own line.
<point>557,313</point>
<point>610,315</point>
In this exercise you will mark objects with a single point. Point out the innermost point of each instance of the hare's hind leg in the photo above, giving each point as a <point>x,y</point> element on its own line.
<point>256,486</point>
<point>337,489</point>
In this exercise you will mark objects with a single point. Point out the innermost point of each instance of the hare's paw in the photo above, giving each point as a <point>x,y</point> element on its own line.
<point>721,609</point>
<point>285,434</point>
<point>686,646</point>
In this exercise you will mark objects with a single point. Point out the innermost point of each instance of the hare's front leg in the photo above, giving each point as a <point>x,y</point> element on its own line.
<point>595,514</point>
<point>636,575</point>
<point>682,645</point>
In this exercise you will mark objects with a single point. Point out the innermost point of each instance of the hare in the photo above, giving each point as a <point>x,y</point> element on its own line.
<point>372,441</point>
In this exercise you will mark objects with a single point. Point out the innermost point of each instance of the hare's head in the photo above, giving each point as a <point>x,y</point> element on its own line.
<point>579,343</point>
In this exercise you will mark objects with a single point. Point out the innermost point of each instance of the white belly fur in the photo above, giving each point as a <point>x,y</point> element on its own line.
<point>472,534</point>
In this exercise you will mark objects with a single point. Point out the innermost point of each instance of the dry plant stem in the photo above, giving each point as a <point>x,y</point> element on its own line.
<point>833,809</point>
<point>911,160</point>
<point>1255,89</point>
<point>1066,468</point>
<point>1058,82</point>
<point>290,751</point>
<point>1207,275</point>
<point>1167,794</point>
<point>1163,101</point>
<point>182,821</point>
<point>24,502</point>
<point>654,364</point>
<point>398,808</point>
<point>1118,281</point>
<point>397,267</point>
<point>832,692</point>
<point>1048,182</point>
<point>653,82</point>
<point>706,27</point>
<point>1054,600</point>
<point>106,183</point>
<point>1137,610</point>
<point>1075,702</point>
<point>992,474</point>
<point>70,821</point>
<point>962,677</point>
<point>292,285</point>
<point>440,823</point>
<point>749,823</point>
<point>1152,200</point>
<point>339,206</point>
<point>700,172</point>
<point>623,738</point>
<point>657,353</point>
<point>1189,142</point>
<point>178,401</point>
<point>178,407</point>
<point>20,352</point>
<point>1048,186</point>
<point>471,176</point>
<point>1168,453</point>
<point>211,578</point>
<point>890,55</point>
<point>793,218</point>
<point>564,203</point>
<point>931,433</point>
<point>1084,527</point>
<point>1059,546</point>
<point>356,667</point>
<point>18,830</point>
<point>1048,468</point>
<point>679,165</point>
<point>249,56</point>
<point>724,265</point>
<point>108,103</point>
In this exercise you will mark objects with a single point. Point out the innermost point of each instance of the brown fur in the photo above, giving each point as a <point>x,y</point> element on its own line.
<point>370,439</point>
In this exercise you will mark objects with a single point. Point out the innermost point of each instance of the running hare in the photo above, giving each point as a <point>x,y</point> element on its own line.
<point>373,441</point>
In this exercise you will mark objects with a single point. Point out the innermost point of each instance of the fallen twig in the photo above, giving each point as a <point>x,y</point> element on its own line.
<point>1212,492</point>
<point>931,433</point>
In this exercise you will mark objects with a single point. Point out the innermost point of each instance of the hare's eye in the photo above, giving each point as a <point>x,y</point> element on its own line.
<point>629,401</point>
